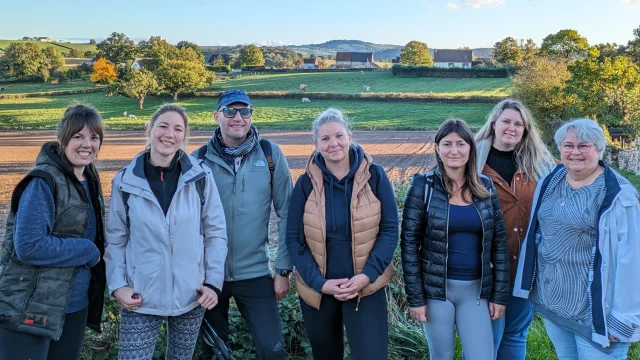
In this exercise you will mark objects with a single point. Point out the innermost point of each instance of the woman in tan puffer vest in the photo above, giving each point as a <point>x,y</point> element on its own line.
<point>342,230</point>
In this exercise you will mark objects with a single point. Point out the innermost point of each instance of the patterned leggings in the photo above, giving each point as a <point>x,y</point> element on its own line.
<point>139,333</point>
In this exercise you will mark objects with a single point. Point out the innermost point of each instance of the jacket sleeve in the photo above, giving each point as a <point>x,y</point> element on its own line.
<point>382,253</point>
<point>413,227</point>
<point>281,190</point>
<point>214,228</point>
<point>305,264</point>
<point>623,321</point>
<point>499,254</point>
<point>33,241</point>
<point>116,240</point>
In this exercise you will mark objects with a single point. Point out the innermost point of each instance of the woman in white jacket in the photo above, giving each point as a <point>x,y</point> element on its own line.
<point>166,242</point>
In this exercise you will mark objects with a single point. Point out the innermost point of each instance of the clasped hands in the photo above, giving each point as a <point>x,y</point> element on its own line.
<point>346,289</point>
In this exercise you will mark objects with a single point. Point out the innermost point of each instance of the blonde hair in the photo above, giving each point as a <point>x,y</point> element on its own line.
<point>163,110</point>
<point>530,153</point>
<point>328,116</point>
<point>472,180</point>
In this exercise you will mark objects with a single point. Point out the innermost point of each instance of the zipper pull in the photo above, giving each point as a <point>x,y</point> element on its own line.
<point>234,184</point>
<point>242,182</point>
<point>162,175</point>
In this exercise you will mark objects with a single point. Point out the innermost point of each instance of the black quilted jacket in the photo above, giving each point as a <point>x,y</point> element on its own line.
<point>424,245</point>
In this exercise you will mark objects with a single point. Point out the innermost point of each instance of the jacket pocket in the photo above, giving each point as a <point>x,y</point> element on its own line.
<point>17,285</point>
<point>188,278</point>
<point>149,281</point>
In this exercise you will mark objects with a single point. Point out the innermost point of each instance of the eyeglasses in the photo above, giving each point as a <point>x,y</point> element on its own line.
<point>583,148</point>
<point>245,113</point>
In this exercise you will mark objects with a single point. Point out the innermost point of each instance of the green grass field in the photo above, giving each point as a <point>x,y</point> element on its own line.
<point>45,112</point>
<point>353,83</point>
<point>24,88</point>
<point>62,47</point>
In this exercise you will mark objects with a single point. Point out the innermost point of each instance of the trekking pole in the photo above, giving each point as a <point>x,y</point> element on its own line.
<point>220,350</point>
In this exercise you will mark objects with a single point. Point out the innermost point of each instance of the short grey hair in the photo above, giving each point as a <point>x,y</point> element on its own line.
<point>586,130</point>
<point>328,116</point>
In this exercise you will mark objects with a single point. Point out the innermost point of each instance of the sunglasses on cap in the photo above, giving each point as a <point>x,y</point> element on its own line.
<point>231,112</point>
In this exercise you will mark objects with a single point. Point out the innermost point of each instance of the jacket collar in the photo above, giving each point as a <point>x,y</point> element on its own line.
<point>189,170</point>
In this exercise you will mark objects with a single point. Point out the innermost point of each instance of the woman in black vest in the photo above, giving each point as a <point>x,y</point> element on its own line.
<point>52,276</point>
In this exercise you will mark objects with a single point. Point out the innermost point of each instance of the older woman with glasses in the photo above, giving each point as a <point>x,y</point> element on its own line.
<point>580,260</point>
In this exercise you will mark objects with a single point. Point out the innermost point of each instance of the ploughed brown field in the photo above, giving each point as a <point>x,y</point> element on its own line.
<point>401,153</point>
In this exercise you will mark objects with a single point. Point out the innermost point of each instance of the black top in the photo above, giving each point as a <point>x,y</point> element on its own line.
<point>503,162</point>
<point>163,181</point>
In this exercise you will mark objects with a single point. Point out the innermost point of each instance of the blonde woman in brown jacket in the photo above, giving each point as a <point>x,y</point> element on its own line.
<point>342,230</point>
<point>512,154</point>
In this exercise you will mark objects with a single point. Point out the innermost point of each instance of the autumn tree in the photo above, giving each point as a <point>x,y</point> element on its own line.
<point>103,72</point>
<point>137,85</point>
<point>251,55</point>
<point>507,51</point>
<point>177,76</point>
<point>416,53</point>
<point>566,44</point>
<point>117,48</point>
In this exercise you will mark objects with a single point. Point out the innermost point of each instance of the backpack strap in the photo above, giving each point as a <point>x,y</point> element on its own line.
<point>428,192</point>
<point>374,180</point>
<point>125,201</point>
<point>266,149</point>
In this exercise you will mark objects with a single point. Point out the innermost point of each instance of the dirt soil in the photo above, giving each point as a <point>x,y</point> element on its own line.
<point>401,153</point>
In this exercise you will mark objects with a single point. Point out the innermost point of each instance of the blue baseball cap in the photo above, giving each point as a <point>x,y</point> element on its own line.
<point>233,96</point>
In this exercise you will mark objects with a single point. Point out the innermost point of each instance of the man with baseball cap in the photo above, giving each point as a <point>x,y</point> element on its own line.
<point>251,173</point>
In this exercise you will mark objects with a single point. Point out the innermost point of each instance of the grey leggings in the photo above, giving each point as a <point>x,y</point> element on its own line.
<point>139,333</point>
<point>470,316</point>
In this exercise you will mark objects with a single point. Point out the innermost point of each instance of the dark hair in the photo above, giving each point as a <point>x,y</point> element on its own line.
<point>472,180</point>
<point>75,118</point>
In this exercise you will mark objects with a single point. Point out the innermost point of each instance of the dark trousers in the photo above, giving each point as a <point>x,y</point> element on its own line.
<point>367,327</point>
<point>21,346</point>
<point>256,300</point>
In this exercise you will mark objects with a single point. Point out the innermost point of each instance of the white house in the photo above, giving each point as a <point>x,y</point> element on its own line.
<point>311,63</point>
<point>444,58</point>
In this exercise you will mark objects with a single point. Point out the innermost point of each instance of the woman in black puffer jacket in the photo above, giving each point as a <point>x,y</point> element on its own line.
<point>454,249</point>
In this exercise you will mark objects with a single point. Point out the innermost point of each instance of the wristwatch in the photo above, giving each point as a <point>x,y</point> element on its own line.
<point>283,272</point>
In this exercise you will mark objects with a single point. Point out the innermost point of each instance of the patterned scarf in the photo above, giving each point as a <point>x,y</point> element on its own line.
<point>232,152</point>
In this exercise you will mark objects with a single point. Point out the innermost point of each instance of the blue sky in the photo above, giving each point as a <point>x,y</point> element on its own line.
<point>439,23</point>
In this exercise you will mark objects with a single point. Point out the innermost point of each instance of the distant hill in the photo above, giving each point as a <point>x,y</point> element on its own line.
<point>63,47</point>
<point>382,51</point>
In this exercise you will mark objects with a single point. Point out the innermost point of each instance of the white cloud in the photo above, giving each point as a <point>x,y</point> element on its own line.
<point>451,6</point>
<point>632,2</point>
<point>270,43</point>
<point>222,43</point>
<point>476,4</point>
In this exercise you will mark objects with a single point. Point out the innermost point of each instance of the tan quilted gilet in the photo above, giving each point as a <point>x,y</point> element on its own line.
<point>365,220</point>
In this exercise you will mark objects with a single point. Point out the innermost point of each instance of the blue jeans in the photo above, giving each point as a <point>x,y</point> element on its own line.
<point>570,346</point>
<point>510,331</point>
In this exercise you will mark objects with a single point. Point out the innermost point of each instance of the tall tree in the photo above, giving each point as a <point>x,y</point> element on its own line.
<point>529,50</point>
<point>23,59</point>
<point>219,61</point>
<point>633,47</point>
<point>117,48</point>
<point>541,85</point>
<point>610,50</point>
<point>103,72</point>
<point>507,51</point>
<point>56,59</point>
<point>92,42</point>
<point>567,44</point>
<point>177,76</point>
<point>137,85</point>
<point>416,53</point>
<point>186,44</point>
<point>75,53</point>
<point>251,55</point>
